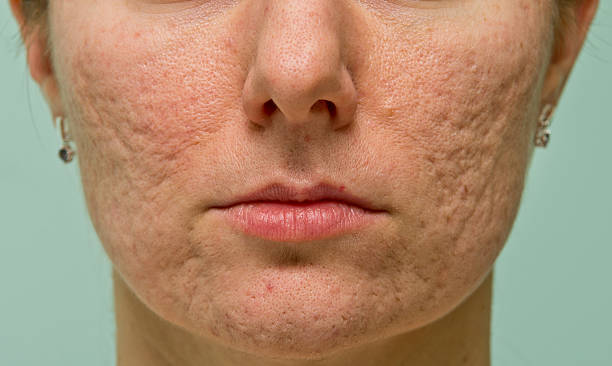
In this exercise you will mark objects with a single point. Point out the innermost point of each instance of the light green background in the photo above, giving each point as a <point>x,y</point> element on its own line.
<point>553,291</point>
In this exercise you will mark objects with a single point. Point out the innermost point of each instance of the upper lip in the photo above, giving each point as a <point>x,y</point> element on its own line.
<point>278,192</point>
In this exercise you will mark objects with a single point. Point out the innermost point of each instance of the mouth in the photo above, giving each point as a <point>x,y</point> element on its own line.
<point>284,213</point>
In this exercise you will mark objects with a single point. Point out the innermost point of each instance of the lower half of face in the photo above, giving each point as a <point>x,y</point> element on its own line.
<point>445,96</point>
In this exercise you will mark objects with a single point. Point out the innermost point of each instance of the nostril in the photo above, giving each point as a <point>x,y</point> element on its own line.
<point>332,108</point>
<point>269,107</point>
<point>321,106</point>
<point>324,105</point>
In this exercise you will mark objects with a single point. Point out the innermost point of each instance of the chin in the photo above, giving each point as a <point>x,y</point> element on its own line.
<point>294,337</point>
<point>304,316</point>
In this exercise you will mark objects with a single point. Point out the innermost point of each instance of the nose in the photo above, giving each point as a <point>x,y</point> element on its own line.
<point>298,75</point>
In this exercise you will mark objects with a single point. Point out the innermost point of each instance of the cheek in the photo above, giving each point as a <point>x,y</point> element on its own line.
<point>143,112</point>
<point>148,103</point>
<point>457,121</point>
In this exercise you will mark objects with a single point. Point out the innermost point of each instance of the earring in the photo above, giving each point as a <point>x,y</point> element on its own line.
<point>543,133</point>
<point>66,152</point>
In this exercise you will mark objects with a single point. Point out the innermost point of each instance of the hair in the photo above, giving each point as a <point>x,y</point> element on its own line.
<point>35,11</point>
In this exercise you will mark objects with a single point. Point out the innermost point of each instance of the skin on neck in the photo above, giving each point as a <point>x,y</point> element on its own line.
<point>459,338</point>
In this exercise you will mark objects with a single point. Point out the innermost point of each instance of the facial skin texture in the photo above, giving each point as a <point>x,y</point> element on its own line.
<point>435,108</point>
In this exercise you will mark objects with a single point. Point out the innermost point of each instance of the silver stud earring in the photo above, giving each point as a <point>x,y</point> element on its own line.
<point>66,152</point>
<point>542,136</point>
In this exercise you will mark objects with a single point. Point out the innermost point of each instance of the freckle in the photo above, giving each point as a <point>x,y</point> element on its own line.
<point>423,224</point>
<point>448,218</point>
<point>137,35</point>
<point>389,112</point>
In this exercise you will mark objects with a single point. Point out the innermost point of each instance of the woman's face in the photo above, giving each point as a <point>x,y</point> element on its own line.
<point>426,109</point>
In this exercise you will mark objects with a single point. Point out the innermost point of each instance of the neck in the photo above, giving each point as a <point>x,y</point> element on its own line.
<point>459,338</point>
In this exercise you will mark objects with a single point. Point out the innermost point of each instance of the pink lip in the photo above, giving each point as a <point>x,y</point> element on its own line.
<point>282,213</point>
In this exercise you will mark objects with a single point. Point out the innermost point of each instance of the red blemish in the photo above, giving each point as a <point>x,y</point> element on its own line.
<point>342,188</point>
<point>465,192</point>
<point>307,138</point>
<point>137,35</point>
<point>269,287</point>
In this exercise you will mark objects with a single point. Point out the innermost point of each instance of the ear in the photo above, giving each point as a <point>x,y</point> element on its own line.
<point>34,38</point>
<point>568,42</point>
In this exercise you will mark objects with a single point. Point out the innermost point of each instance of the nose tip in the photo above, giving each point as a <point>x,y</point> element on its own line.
<point>298,73</point>
<point>300,98</point>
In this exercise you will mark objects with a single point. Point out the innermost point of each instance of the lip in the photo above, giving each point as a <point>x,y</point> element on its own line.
<point>321,192</point>
<point>279,212</point>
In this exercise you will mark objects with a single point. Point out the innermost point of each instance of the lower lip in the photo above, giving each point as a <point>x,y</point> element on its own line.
<point>295,222</point>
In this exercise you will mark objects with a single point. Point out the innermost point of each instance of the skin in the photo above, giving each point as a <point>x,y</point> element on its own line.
<point>176,106</point>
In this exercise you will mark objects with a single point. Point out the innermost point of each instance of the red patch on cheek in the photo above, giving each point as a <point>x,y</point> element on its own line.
<point>269,287</point>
